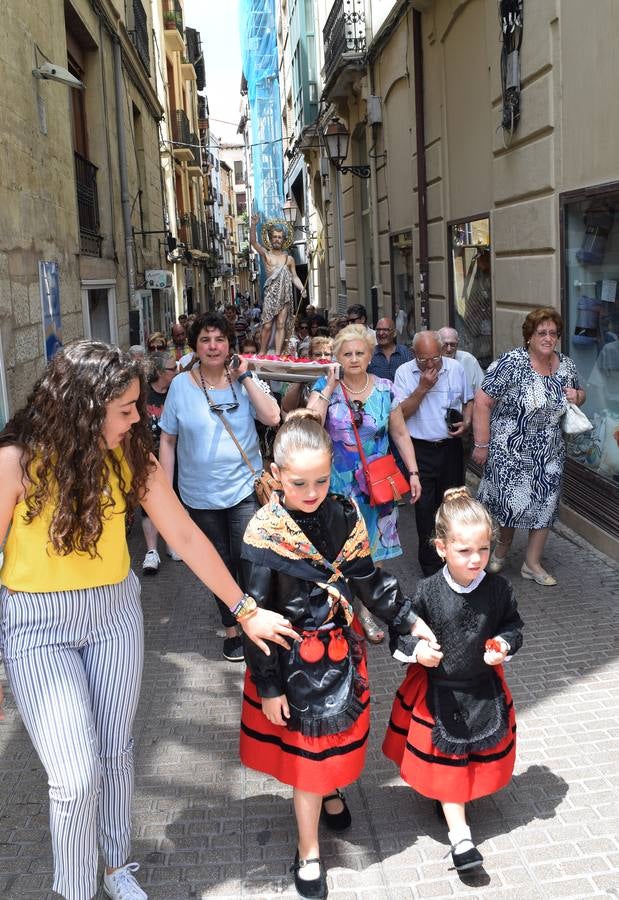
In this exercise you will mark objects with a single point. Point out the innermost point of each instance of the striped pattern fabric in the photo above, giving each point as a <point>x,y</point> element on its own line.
<point>74,664</point>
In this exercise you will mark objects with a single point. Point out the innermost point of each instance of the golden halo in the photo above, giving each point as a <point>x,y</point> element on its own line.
<point>286,227</point>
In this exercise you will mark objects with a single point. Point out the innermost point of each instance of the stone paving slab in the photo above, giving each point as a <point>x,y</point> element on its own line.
<point>204,827</point>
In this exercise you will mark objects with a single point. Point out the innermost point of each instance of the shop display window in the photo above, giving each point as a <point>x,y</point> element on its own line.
<point>590,231</point>
<point>470,290</point>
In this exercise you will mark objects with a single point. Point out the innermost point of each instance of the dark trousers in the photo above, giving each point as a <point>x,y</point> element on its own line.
<point>440,467</point>
<point>225,529</point>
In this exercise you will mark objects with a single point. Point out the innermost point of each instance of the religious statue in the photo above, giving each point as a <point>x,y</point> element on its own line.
<point>277,301</point>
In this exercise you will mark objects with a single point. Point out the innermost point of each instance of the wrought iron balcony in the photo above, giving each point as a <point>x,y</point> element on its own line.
<point>343,35</point>
<point>173,15</point>
<point>194,56</point>
<point>139,33</point>
<point>181,136</point>
<point>87,206</point>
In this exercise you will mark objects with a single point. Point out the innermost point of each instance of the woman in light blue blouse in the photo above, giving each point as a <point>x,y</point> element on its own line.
<point>215,483</point>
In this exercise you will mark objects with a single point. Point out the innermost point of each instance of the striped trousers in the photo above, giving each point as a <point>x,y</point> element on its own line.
<point>74,664</point>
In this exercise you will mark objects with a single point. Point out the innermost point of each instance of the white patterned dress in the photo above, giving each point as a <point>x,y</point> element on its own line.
<point>521,481</point>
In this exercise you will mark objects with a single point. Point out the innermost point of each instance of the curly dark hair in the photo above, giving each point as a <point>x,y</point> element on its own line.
<point>210,320</point>
<point>60,433</point>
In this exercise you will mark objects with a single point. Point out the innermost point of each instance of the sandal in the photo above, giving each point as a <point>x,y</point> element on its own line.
<point>373,632</point>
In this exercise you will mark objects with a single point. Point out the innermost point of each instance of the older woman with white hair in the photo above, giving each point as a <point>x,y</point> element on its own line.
<point>370,403</point>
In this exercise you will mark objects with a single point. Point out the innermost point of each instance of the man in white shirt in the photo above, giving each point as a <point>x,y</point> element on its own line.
<point>474,372</point>
<point>434,390</point>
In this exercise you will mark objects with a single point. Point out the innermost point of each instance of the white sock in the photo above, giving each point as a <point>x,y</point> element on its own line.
<point>310,873</point>
<point>461,836</point>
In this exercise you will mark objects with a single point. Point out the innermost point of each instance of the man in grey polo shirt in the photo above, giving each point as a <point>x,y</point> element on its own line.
<point>429,386</point>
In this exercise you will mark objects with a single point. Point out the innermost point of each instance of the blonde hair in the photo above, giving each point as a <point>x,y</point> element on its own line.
<point>353,333</point>
<point>459,508</point>
<point>318,344</point>
<point>302,430</point>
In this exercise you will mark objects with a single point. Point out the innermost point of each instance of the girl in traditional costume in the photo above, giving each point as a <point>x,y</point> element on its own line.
<point>306,717</point>
<point>452,730</point>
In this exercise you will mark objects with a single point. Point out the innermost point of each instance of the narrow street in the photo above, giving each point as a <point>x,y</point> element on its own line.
<point>205,827</point>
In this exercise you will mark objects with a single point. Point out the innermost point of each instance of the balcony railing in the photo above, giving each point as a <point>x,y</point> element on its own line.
<point>194,55</point>
<point>344,32</point>
<point>181,127</point>
<point>139,33</point>
<point>87,206</point>
<point>173,15</point>
<point>196,236</point>
<point>194,146</point>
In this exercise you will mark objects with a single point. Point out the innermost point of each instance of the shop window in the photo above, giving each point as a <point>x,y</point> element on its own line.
<point>590,236</point>
<point>470,289</point>
<point>99,312</point>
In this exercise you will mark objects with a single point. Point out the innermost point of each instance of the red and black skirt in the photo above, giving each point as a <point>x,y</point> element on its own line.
<point>443,776</point>
<point>302,757</point>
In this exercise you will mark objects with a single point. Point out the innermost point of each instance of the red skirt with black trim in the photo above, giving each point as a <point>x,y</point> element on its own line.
<point>316,764</point>
<point>455,779</point>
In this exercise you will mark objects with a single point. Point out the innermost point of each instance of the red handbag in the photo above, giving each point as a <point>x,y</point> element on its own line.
<point>384,480</point>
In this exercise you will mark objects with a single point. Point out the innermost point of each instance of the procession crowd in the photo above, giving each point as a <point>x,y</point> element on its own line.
<point>184,432</point>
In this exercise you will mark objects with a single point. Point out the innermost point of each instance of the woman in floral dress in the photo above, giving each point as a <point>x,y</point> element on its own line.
<point>372,403</point>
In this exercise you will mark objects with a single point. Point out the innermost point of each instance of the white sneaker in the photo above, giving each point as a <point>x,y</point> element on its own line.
<point>151,563</point>
<point>173,555</point>
<point>121,885</point>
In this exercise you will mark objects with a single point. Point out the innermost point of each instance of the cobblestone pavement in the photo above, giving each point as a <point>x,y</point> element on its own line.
<point>205,827</point>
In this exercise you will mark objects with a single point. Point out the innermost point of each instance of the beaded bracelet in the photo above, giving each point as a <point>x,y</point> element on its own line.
<point>245,608</point>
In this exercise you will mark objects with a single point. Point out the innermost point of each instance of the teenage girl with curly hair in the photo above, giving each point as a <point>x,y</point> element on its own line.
<point>73,462</point>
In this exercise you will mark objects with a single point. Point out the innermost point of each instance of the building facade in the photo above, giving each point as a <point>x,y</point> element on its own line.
<point>80,187</point>
<point>493,189</point>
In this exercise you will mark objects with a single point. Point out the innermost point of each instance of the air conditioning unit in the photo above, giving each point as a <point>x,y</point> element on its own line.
<point>158,278</point>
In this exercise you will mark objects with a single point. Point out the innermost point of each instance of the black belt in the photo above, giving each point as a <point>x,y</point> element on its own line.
<point>432,443</point>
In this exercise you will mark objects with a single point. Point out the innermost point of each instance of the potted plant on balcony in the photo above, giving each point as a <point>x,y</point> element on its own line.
<point>170,19</point>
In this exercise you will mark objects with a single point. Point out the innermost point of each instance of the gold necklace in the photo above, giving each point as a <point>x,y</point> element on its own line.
<point>351,391</point>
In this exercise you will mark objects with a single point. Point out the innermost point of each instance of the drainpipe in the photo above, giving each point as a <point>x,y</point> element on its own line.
<point>420,134</point>
<point>125,199</point>
<point>376,276</point>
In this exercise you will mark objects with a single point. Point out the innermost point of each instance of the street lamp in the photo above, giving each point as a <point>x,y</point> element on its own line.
<point>290,211</point>
<point>337,138</point>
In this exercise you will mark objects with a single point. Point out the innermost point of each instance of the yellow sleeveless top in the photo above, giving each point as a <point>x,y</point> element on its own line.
<point>31,564</point>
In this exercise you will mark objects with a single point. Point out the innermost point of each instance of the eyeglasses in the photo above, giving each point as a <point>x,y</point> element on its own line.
<point>384,330</point>
<point>544,333</point>
<point>157,348</point>
<point>421,361</point>
<point>450,343</point>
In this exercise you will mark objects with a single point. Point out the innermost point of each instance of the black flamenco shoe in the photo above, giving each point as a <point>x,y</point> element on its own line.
<point>469,859</point>
<point>336,821</point>
<point>314,889</point>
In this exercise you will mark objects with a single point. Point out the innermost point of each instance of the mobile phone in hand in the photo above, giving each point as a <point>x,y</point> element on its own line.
<point>235,362</point>
<point>339,372</point>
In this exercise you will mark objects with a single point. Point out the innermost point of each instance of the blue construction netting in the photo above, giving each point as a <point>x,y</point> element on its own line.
<point>260,66</point>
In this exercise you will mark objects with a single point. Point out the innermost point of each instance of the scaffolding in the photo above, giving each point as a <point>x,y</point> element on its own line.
<point>260,67</point>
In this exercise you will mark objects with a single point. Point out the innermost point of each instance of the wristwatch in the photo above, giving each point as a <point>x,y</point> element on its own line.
<point>242,377</point>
